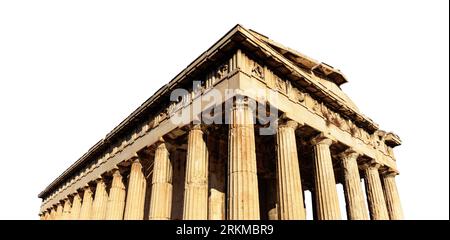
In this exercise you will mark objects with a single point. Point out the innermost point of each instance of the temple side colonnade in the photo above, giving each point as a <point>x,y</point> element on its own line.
<point>153,166</point>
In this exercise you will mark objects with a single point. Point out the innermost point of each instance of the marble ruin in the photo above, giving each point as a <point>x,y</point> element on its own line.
<point>152,167</point>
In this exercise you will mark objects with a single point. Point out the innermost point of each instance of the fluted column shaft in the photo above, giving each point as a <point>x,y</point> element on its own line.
<point>59,212</point>
<point>196,186</point>
<point>76,207</point>
<point>354,195</point>
<point>66,210</point>
<point>375,196</point>
<point>326,198</point>
<point>243,199</point>
<point>52,214</point>
<point>289,185</point>
<point>392,197</point>
<point>86,206</point>
<point>46,215</point>
<point>116,201</point>
<point>161,198</point>
<point>134,208</point>
<point>100,201</point>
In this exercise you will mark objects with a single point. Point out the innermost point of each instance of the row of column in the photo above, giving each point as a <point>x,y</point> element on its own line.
<point>382,195</point>
<point>243,198</point>
<point>121,204</point>
<point>242,195</point>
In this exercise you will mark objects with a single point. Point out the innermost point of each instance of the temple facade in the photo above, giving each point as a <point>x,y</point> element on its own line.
<point>241,133</point>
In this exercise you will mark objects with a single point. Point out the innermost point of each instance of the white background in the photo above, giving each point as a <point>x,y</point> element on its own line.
<point>70,71</point>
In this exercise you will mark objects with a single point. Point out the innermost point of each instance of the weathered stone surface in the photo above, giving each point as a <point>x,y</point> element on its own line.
<point>243,199</point>
<point>392,197</point>
<point>326,198</point>
<point>100,201</point>
<point>52,214</point>
<point>66,210</point>
<point>375,196</point>
<point>238,180</point>
<point>354,195</point>
<point>161,198</point>
<point>59,212</point>
<point>116,201</point>
<point>134,208</point>
<point>196,190</point>
<point>46,215</point>
<point>86,205</point>
<point>76,207</point>
<point>290,193</point>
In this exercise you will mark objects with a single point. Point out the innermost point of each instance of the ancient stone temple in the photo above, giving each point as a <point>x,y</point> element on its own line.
<point>242,133</point>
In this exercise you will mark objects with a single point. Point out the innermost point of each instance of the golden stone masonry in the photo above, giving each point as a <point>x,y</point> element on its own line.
<point>217,162</point>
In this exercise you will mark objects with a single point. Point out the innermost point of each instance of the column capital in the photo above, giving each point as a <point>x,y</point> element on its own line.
<point>389,172</point>
<point>321,139</point>
<point>161,142</point>
<point>78,192</point>
<point>241,101</point>
<point>196,126</point>
<point>284,122</point>
<point>87,187</point>
<point>127,162</point>
<point>372,164</point>
<point>71,196</point>
<point>349,154</point>
<point>114,169</point>
<point>134,157</point>
<point>116,172</point>
<point>99,179</point>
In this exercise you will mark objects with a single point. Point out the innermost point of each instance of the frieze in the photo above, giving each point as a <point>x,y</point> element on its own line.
<point>331,117</point>
<point>221,71</point>
<point>257,71</point>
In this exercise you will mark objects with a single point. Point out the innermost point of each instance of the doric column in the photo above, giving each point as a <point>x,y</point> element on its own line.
<point>354,195</point>
<point>375,196</point>
<point>116,201</point>
<point>196,184</point>
<point>326,198</point>
<point>59,211</point>
<point>86,206</point>
<point>76,207</point>
<point>66,210</point>
<point>46,215</point>
<point>52,213</point>
<point>134,208</point>
<point>289,185</point>
<point>243,199</point>
<point>100,201</point>
<point>391,195</point>
<point>161,198</point>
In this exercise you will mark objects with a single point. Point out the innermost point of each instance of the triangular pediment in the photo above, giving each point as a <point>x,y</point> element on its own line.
<point>330,74</point>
